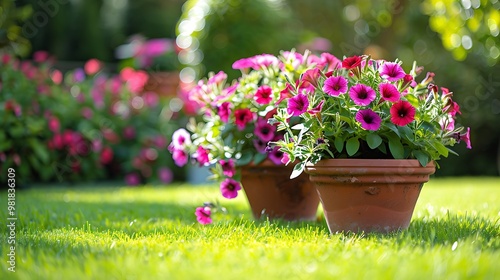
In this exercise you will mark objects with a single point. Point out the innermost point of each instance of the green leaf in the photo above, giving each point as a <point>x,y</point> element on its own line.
<point>339,144</point>
<point>297,170</point>
<point>406,132</point>
<point>373,140</point>
<point>441,148</point>
<point>422,157</point>
<point>393,128</point>
<point>352,146</point>
<point>396,147</point>
<point>244,159</point>
<point>39,150</point>
<point>258,158</point>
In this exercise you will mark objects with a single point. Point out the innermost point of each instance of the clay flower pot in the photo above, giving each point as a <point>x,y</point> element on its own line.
<point>370,195</point>
<point>271,193</point>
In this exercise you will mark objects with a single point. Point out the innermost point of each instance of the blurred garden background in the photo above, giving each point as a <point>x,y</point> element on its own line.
<point>92,90</point>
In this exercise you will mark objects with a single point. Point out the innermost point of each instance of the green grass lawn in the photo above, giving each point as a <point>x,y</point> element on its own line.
<point>102,232</point>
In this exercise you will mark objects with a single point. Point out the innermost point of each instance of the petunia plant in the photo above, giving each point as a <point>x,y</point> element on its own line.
<point>232,126</point>
<point>365,108</point>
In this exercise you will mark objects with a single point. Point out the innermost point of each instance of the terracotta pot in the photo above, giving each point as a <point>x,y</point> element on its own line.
<point>271,193</point>
<point>370,195</point>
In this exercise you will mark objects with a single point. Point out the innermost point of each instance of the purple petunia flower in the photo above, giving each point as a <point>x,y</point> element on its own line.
<point>389,92</point>
<point>369,120</point>
<point>298,104</point>
<point>276,156</point>
<point>260,145</point>
<point>228,167</point>
<point>362,95</point>
<point>392,71</point>
<point>264,95</point>
<point>263,130</point>
<point>335,85</point>
<point>203,215</point>
<point>229,188</point>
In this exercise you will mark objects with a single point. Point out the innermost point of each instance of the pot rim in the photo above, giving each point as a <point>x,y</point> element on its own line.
<point>356,162</point>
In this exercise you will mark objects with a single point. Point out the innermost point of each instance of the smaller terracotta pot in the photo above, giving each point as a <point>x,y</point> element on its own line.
<point>370,195</point>
<point>271,193</point>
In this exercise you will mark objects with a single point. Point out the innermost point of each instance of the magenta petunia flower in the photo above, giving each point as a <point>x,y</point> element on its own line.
<point>362,95</point>
<point>203,215</point>
<point>229,188</point>
<point>217,79</point>
<point>224,111</point>
<point>243,63</point>
<point>228,167</point>
<point>242,117</point>
<point>132,179</point>
<point>106,155</point>
<point>165,175</point>
<point>54,124</point>
<point>180,157</point>
<point>369,120</point>
<point>335,85</point>
<point>392,71</point>
<point>466,137</point>
<point>260,145</point>
<point>263,130</point>
<point>276,156</point>
<point>298,104</point>
<point>402,113</point>
<point>180,138</point>
<point>264,95</point>
<point>201,156</point>
<point>389,92</point>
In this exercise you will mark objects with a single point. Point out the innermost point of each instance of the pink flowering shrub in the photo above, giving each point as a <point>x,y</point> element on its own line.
<point>365,108</point>
<point>82,125</point>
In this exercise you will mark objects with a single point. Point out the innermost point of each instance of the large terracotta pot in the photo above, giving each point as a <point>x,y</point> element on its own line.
<point>271,193</point>
<point>370,195</point>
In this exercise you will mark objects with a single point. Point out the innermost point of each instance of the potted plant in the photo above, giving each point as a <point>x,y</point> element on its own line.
<point>231,131</point>
<point>369,135</point>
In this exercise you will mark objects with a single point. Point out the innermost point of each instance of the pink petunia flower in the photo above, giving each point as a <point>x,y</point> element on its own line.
<point>201,156</point>
<point>229,188</point>
<point>217,79</point>
<point>402,113</point>
<point>369,120</point>
<point>92,66</point>
<point>298,104</point>
<point>335,85</point>
<point>228,167</point>
<point>389,92</point>
<point>391,71</point>
<point>362,95</point>
<point>264,95</point>
<point>311,76</point>
<point>180,138</point>
<point>263,130</point>
<point>54,124</point>
<point>180,157</point>
<point>224,111</point>
<point>242,117</point>
<point>203,215</point>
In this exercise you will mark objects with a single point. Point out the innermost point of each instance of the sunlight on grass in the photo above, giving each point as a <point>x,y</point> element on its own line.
<point>151,232</point>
